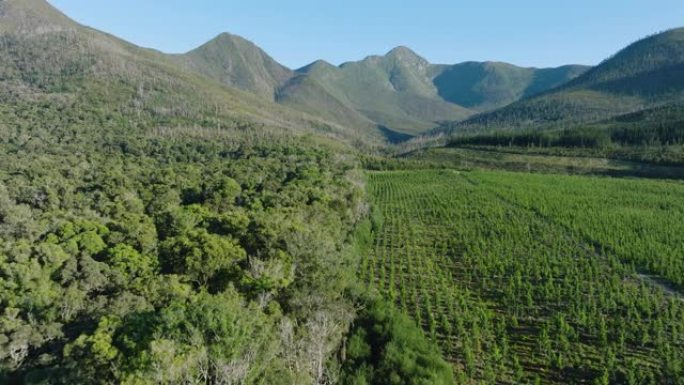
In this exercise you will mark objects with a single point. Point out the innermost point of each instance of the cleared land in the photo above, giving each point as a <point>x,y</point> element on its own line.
<point>574,162</point>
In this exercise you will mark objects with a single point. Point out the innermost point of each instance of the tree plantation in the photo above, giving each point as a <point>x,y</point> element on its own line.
<point>529,278</point>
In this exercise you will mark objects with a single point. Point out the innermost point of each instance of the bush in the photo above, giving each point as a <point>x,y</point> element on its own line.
<point>386,347</point>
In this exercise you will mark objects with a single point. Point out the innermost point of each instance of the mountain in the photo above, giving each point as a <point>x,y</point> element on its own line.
<point>239,63</point>
<point>631,69</point>
<point>644,75</point>
<point>48,58</point>
<point>230,79</point>
<point>393,91</point>
<point>403,92</point>
<point>398,93</point>
<point>489,85</point>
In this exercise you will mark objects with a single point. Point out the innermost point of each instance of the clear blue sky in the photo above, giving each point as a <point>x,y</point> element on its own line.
<point>523,32</point>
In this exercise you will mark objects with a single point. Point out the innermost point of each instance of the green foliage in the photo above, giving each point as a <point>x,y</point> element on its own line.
<point>567,161</point>
<point>534,278</point>
<point>386,347</point>
<point>222,194</point>
<point>131,267</point>
<point>490,85</point>
<point>654,135</point>
<point>96,349</point>
<point>157,227</point>
<point>565,138</point>
<point>646,74</point>
<point>169,257</point>
<point>200,255</point>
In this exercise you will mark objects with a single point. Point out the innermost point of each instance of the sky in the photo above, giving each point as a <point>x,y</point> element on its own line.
<point>523,32</point>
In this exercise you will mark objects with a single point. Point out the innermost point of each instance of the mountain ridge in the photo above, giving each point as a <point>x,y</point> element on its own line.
<point>48,56</point>
<point>399,91</point>
<point>643,75</point>
<point>386,88</point>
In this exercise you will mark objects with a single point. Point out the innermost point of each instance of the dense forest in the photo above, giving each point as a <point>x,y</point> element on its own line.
<point>137,256</point>
<point>653,135</point>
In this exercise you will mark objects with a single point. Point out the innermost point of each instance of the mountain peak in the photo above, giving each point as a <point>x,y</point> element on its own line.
<point>226,38</point>
<point>318,65</point>
<point>237,62</point>
<point>30,17</point>
<point>404,53</point>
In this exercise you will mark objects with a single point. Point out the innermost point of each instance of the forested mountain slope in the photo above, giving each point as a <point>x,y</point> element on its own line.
<point>380,97</point>
<point>394,90</point>
<point>47,56</point>
<point>404,92</point>
<point>646,74</point>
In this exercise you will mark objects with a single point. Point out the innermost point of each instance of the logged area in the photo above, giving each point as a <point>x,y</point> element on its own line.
<point>524,278</point>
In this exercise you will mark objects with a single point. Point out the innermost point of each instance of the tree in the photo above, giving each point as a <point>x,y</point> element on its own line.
<point>222,193</point>
<point>129,267</point>
<point>387,348</point>
<point>201,255</point>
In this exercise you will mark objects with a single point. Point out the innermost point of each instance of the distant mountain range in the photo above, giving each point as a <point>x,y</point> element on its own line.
<point>400,91</point>
<point>380,98</point>
<point>47,57</point>
<point>645,75</point>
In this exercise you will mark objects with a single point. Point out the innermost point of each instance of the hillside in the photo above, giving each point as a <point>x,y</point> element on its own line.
<point>653,135</point>
<point>48,57</point>
<point>645,74</point>
<point>306,94</point>
<point>32,17</point>
<point>157,227</point>
<point>403,92</point>
<point>379,98</point>
<point>398,93</point>
<point>393,91</point>
<point>659,53</point>
<point>489,85</point>
<point>215,218</point>
<point>236,62</point>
